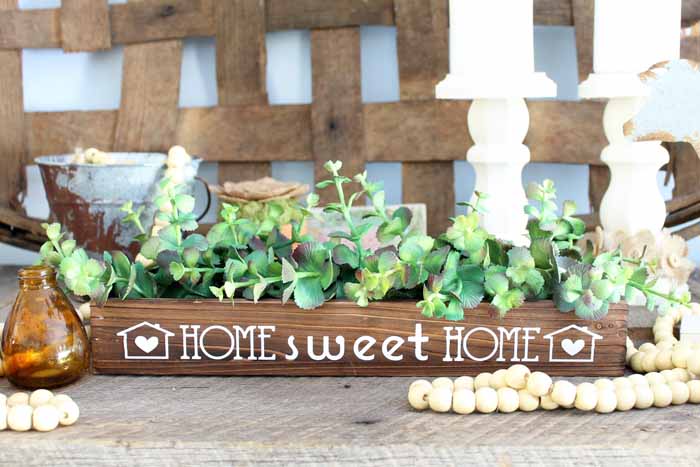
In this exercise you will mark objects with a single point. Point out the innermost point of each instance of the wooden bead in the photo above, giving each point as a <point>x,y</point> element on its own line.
<point>662,395</point>
<point>694,363</point>
<point>663,360</point>
<point>647,347</point>
<point>68,411</point>
<point>679,357</point>
<point>40,397</point>
<point>440,399</point>
<point>3,417</point>
<point>45,418</point>
<point>680,393</point>
<point>18,398</point>
<point>443,382</point>
<point>682,374</point>
<point>694,391</point>
<point>649,362</point>
<point>607,402</point>
<point>604,384</point>
<point>418,394</point>
<point>482,380</point>
<point>636,362</point>
<point>547,403</point>
<point>528,402</point>
<point>669,376</point>
<point>498,379</point>
<point>19,417</point>
<point>638,379</point>
<point>626,398</point>
<point>463,401</point>
<point>622,382</point>
<point>538,383</point>
<point>564,394</point>
<point>517,375</point>
<point>486,400</point>
<point>586,397</point>
<point>655,378</point>
<point>464,382</point>
<point>508,400</point>
<point>644,397</point>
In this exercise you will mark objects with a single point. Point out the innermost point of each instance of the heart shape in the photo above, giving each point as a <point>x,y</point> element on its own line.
<point>146,344</point>
<point>572,347</point>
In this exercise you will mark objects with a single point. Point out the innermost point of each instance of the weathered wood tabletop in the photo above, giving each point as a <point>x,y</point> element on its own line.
<point>325,421</point>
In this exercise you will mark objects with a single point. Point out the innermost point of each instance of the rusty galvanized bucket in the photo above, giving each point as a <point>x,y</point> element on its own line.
<point>86,198</point>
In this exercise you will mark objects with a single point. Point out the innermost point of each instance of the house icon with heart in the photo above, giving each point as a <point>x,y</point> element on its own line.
<point>146,341</point>
<point>572,344</point>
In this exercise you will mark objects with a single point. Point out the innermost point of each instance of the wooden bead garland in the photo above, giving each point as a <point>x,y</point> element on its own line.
<point>665,375</point>
<point>43,411</point>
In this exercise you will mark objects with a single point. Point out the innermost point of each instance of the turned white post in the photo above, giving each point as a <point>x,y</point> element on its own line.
<point>630,37</point>
<point>492,63</point>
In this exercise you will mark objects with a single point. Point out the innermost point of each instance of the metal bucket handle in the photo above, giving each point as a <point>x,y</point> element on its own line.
<point>206,189</point>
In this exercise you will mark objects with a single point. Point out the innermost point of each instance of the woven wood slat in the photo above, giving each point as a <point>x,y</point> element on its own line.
<point>337,120</point>
<point>148,113</point>
<point>12,149</point>
<point>582,12</point>
<point>240,70</point>
<point>85,25</point>
<point>62,132</point>
<point>423,61</point>
<point>153,20</point>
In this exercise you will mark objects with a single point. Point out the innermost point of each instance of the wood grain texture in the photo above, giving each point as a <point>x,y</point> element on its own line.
<point>380,321</point>
<point>321,14</point>
<point>85,25</point>
<point>337,120</point>
<point>423,61</point>
<point>219,421</point>
<point>153,20</point>
<point>63,132</point>
<point>37,28</point>
<point>566,132</point>
<point>432,183</point>
<point>583,11</point>
<point>247,133</point>
<point>598,182</point>
<point>12,147</point>
<point>240,69</point>
<point>147,118</point>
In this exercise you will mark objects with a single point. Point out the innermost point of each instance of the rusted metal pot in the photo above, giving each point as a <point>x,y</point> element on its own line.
<point>86,198</point>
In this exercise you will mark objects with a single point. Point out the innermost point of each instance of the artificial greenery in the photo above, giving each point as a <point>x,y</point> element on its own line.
<point>242,257</point>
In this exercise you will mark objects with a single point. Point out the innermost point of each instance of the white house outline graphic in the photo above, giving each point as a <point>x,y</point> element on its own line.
<point>584,329</point>
<point>124,335</point>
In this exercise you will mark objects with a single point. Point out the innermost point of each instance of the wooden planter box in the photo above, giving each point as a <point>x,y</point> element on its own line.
<point>179,337</point>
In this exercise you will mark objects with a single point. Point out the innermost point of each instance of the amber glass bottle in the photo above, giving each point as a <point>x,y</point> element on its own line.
<point>44,343</point>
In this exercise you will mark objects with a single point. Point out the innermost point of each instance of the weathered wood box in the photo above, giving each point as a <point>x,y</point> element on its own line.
<point>178,337</point>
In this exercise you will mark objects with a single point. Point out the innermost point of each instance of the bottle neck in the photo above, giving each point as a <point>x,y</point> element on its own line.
<point>37,278</point>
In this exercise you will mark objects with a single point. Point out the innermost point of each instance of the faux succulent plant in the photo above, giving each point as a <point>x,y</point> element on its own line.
<point>247,258</point>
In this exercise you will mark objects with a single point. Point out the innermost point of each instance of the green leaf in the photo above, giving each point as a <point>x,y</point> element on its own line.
<point>53,231</point>
<point>259,290</point>
<point>308,293</point>
<point>67,247</point>
<point>342,254</point>
<point>177,270</point>
<point>471,294</point>
<point>288,272</point>
<point>454,312</point>
<point>191,257</point>
<point>184,203</point>
<point>122,265</point>
<point>436,259</point>
<point>196,241</point>
<point>286,295</point>
<point>414,249</point>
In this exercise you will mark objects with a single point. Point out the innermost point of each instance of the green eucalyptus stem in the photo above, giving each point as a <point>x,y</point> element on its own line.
<point>646,290</point>
<point>348,219</point>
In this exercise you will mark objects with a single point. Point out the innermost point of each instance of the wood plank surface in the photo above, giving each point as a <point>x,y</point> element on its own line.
<point>337,120</point>
<point>247,133</point>
<point>413,131</point>
<point>12,145</point>
<point>421,29</point>
<point>153,20</point>
<point>62,132</point>
<point>216,421</point>
<point>205,339</point>
<point>147,119</point>
<point>156,421</point>
<point>583,11</point>
<point>85,25</point>
<point>241,59</point>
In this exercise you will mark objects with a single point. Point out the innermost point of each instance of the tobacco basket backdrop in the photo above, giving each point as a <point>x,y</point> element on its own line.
<point>244,134</point>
